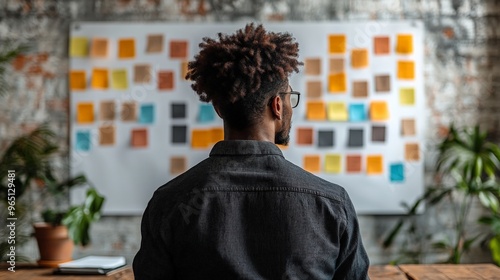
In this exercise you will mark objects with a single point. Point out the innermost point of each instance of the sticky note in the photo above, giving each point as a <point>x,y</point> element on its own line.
<point>126,48</point>
<point>107,135</point>
<point>107,110</point>
<point>206,113</point>
<point>359,58</point>
<point>381,45</point>
<point>119,79</point>
<point>412,152</point>
<point>333,163</point>
<point>78,47</point>
<point>382,83</point>
<point>201,138</point>
<point>337,65</point>
<point>147,113</point>
<point>178,110</point>
<point>100,78</point>
<point>154,43</point>
<point>178,49</point>
<point>179,134</point>
<point>314,89</point>
<point>406,70</point>
<point>353,163</point>
<point>316,111</point>
<point>357,112</point>
<point>337,83</point>
<point>312,163</point>
<point>313,66</point>
<point>337,111</point>
<point>99,48</point>
<point>397,172</point>
<point>217,134</point>
<point>184,70</point>
<point>378,133</point>
<point>82,141</point>
<point>404,43</point>
<point>165,80</point>
<point>142,73</point>
<point>374,164</point>
<point>326,138</point>
<point>77,80</point>
<point>337,43</point>
<point>85,112</point>
<point>304,136</point>
<point>407,96</point>
<point>356,138</point>
<point>139,138</point>
<point>178,164</point>
<point>379,111</point>
<point>408,127</point>
<point>129,111</point>
<point>360,89</point>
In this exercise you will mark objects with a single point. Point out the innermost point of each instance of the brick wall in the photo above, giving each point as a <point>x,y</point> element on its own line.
<point>462,74</point>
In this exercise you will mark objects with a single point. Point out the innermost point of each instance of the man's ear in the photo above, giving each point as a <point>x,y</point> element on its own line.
<point>277,107</point>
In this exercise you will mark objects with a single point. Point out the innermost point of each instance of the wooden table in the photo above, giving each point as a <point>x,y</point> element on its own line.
<point>36,273</point>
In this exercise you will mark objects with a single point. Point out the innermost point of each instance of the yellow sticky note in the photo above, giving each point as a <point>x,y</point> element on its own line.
<point>333,163</point>
<point>406,70</point>
<point>337,83</point>
<point>337,43</point>
<point>217,134</point>
<point>78,47</point>
<point>379,111</point>
<point>77,80</point>
<point>316,111</point>
<point>374,164</point>
<point>201,138</point>
<point>85,112</point>
<point>126,48</point>
<point>337,111</point>
<point>407,96</point>
<point>99,78</point>
<point>312,163</point>
<point>404,43</point>
<point>119,79</point>
<point>359,58</point>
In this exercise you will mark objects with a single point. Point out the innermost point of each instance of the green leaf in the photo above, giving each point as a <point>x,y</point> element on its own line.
<point>495,249</point>
<point>489,200</point>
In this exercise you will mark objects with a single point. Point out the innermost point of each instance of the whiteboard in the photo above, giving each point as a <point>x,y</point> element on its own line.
<point>128,175</point>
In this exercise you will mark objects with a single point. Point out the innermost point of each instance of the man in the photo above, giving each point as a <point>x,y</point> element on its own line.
<point>246,212</point>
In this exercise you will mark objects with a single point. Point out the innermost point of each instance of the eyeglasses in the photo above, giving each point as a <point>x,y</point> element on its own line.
<point>294,98</point>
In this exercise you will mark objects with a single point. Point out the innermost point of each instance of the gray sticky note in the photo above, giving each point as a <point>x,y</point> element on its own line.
<point>326,138</point>
<point>378,133</point>
<point>355,138</point>
<point>179,134</point>
<point>178,110</point>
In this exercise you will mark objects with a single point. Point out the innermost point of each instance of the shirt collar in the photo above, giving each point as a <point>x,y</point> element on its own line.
<point>245,147</point>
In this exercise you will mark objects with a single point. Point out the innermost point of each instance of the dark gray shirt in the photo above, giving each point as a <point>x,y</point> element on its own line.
<point>248,213</point>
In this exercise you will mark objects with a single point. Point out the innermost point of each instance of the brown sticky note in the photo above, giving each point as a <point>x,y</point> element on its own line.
<point>201,138</point>
<point>77,80</point>
<point>142,73</point>
<point>312,163</point>
<point>316,111</point>
<point>360,89</point>
<point>154,43</point>
<point>382,83</point>
<point>107,135</point>
<point>353,163</point>
<point>126,48</point>
<point>359,58</point>
<point>408,127</point>
<point>165,80</point>
<point>178,164</point>
<point>184,69</point>
<point>412,152</point>
<point>337,65</point>
<point>378,133</point>
<point>85,112</point>
<point>379,111</point>
<point>100,78</point>
<point>374,164</point>
<point>313,89</point>
<point>337,83</point>
<point>313,66</point>
<point>406,69</point>
<point>404,43</point>
<point>139,138</point>
<point>304,136</point>
<point>99,48</point>
<point>217,134</point>
<point>178,49</point>
<point>129,111</point>
<point>107,111</point>
<point>381,45</point>
<point>337,43</point>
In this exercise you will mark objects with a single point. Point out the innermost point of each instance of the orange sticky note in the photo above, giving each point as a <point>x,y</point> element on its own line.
<point>337,83</point>
<point>304,136</point>
<point>107,135</point>
<point>78,47</point>
<point>99,78</point>
<point>77,80</point>
<point>139,138</point>
<point>314,89</point>
<point>126,48</point>
<point>316,111</point>
<point>312,163</point>
<point>217,134</point>
<point>404,43</point>
<point>359,58</point>
<point>178,164</point>
<point>353,163</point>
<point>412,152</point>
<point>406,69</point>
<point>201,138</point>
<point>374,164</point>
<point>333,163</point>
<point>379,111</point>
<point>99,48</point>
<point>313,66</point>
<point>85,112</point>
<point>184,69</point>
<point>178,49</point>
<point>337,43</point>
<point>381,45</point>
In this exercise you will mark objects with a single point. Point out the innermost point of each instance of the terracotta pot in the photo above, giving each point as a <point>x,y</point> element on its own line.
<point>54,244</point>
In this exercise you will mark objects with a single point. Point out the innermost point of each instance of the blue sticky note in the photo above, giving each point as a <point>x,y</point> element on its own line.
<point>397,172</point>
<point>82,140</point>
<point>147,114</point>
<point>207,113</point>
<point>357,112</point>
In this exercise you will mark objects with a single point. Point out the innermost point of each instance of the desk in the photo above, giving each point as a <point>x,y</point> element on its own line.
<point>35,273</point>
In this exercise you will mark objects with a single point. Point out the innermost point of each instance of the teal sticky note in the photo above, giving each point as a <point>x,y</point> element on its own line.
<point>147,114</point>
<point>206,114</point>
<point>397,172</point>
<point>82,141</point>
<point>357,112</point>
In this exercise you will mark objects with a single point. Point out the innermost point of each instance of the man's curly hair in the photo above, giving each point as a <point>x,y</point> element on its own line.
<point>239,72</point>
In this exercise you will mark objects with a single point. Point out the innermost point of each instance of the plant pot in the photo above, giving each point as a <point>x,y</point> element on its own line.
<point>54,244</point>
